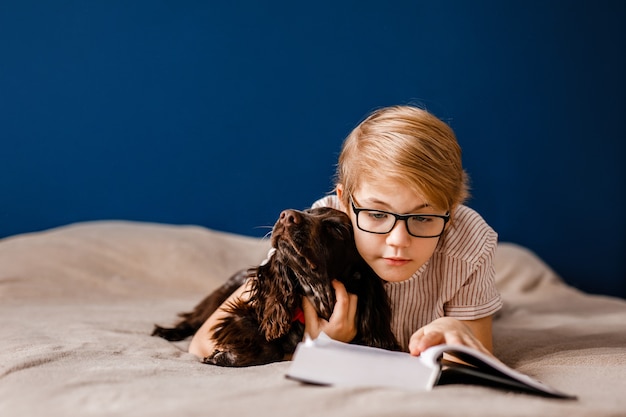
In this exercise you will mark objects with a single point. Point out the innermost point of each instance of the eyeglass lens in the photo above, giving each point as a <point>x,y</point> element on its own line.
<point>381,222</point>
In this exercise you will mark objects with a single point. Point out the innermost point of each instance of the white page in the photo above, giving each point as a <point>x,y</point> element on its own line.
<point>327,362</point>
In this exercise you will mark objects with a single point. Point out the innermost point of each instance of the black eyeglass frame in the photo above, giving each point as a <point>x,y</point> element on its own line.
<point>405,217</point>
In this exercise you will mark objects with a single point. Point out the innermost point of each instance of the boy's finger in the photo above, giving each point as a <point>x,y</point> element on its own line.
<point>311,320</point>
<point>346,303</point>
<point>420,341</point>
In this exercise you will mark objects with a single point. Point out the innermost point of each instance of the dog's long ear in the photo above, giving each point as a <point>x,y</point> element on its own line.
<point>318,289</point>
<point>279,299</point>
<point>374,313</point>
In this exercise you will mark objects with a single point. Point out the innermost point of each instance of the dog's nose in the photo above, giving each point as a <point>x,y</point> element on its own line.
<point>288,217</point>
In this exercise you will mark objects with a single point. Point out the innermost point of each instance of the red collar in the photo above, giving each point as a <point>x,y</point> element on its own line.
<point>298,315</point>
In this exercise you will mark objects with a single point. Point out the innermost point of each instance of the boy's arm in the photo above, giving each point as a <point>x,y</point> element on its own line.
<point>473,333</point>
<point>202,344</point>
<point>482,330</point>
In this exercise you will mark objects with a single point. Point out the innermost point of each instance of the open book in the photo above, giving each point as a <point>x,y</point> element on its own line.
<point>324,361</point>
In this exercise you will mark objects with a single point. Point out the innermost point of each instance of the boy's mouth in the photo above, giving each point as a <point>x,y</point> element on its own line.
<point>394,261</point>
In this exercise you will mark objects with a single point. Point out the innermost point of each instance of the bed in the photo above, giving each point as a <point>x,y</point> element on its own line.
<point>78,303</point>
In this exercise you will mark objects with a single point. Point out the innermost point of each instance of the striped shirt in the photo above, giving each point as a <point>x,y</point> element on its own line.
<point>457,281</point>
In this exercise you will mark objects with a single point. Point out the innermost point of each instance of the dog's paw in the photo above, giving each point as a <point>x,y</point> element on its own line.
<point>220,358</point>
<point>173,334</point>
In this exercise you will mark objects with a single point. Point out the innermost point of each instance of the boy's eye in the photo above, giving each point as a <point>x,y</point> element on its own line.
<point>376,215</point>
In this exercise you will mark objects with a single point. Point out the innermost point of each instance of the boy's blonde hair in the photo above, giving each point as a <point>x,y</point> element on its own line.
<point>407,145</point>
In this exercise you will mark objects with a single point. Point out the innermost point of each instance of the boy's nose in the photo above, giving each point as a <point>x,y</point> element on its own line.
<point>399,236</point>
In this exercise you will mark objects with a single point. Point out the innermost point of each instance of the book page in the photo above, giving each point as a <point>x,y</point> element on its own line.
<point>324,361</point>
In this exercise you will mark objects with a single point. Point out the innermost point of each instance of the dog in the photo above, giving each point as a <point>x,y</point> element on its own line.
<point>311,248</point>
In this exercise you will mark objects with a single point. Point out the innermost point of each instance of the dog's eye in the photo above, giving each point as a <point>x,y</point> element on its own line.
<point>339,230</point>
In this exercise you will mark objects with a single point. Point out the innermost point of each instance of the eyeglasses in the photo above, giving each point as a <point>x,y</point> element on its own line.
<point>382,222</point>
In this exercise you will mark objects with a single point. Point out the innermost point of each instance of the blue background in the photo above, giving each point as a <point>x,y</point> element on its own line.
<point>224,113</point>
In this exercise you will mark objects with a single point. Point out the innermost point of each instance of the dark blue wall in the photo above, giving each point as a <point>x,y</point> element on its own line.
<point>224,113</point>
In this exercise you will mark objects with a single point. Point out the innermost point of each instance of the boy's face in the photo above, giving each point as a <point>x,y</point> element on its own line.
<point>397,255</point>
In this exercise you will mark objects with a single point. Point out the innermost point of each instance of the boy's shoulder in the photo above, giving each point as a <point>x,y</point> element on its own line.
<point>469,237</point>
<point>329,201</point>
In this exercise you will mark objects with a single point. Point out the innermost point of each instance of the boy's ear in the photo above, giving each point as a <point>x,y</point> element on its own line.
<point>339,190</point>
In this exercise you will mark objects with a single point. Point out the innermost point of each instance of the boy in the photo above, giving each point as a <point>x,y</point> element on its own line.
<point>438,263</point>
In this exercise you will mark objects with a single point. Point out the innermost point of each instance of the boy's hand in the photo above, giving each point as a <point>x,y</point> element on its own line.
<point>450,331</point>
<point>342,323</point>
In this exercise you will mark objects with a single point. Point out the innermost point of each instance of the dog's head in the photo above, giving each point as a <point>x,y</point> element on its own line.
<point>312,248</point>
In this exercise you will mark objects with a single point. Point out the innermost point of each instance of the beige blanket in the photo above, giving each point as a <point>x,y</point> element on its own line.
<point>77,305</point>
